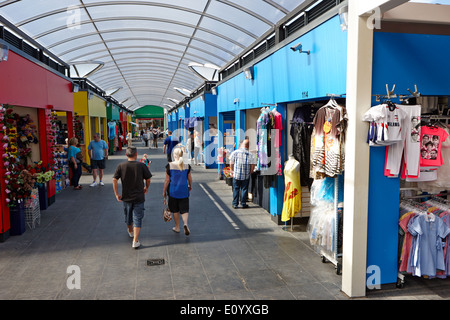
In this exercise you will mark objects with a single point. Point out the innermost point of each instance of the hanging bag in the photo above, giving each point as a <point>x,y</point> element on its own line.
<point>167,215</point>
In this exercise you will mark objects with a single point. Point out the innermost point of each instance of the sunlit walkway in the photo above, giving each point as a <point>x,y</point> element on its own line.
<point>230,254</point>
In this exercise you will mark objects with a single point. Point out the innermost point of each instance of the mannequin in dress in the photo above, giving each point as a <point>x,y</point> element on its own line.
<point>292,190</point>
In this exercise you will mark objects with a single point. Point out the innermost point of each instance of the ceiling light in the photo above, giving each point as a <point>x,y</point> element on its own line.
<point>205,71</point>
<point>125,100</point>
<point>173,100</point>
<point>84,69</point>
<point>249,73</point>
<point>184,92</point>
<point>110,92</point>
<point>4,51</point>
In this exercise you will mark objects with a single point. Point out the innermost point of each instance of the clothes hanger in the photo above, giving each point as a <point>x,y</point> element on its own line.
<point>332,104</point>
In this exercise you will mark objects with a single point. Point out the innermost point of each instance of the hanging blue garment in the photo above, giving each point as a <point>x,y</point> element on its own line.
<point>111,130</point>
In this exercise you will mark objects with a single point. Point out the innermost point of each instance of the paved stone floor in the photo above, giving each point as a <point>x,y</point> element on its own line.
<point>231,254</point>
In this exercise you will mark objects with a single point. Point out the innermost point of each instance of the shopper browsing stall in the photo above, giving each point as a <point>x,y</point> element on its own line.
<point>74,162</point>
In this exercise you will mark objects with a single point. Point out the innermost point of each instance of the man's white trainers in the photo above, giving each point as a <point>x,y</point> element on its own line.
<point>93,184</point>
<point>101,183</point>
<point>136,244</point>
<point>131,234</point>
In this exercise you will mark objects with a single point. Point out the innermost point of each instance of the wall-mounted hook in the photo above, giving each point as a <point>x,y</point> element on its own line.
<point>390,93</point>
<point>416,93</point>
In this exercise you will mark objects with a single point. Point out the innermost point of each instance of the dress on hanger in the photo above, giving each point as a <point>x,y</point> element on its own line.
<point>292,191</point>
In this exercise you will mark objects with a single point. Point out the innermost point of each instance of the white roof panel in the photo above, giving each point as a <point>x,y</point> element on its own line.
<point>146,46</point>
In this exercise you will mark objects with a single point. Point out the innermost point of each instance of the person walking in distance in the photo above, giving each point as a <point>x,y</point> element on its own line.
<point>177,186</point>
<point>169,143</point>
<point>197,147</point>
<point>242,165</point>
<point>135,178</point>
<point>98,152</point>
<point>155,132</point>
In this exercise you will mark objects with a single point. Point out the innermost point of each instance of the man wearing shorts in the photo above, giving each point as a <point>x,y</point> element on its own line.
<point>98,151</point>
<point>132,174</point>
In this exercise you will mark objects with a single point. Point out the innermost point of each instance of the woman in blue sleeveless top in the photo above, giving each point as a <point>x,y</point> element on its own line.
<point>177,186</point>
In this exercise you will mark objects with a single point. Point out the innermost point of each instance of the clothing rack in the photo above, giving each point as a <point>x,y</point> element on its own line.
<point>408,202</point>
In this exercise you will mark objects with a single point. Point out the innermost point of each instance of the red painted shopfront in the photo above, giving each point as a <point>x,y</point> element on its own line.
<point>27,83</point>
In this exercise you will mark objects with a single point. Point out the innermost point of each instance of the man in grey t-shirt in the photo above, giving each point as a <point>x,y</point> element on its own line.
<point>132,174</point>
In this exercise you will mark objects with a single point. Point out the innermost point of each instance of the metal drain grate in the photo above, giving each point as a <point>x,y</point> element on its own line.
<point>155,262</point>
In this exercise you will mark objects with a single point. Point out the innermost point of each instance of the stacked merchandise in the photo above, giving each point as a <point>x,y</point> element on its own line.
<point>62,177</point>
<point>424,238</point>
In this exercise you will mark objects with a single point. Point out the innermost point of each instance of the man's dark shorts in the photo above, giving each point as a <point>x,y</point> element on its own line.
<point>98,164</point>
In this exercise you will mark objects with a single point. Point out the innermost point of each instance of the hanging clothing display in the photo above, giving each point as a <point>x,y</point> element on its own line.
<point>412,150</point>
<point>301,131</point>
<point>111,130</point>
<point>322,230</point>
<point>327,141</point>
<point>387,128</point>
<point>442,180</point>
<point>278,120</point>
<point>262,141</point>
<point>431,138</point>
<point>268,146</point>
<point>292,189</point>
<point>423,249</point>
<point>411,154</point>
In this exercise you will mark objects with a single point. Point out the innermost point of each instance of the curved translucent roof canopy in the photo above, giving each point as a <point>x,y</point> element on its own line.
<point>146,47</point>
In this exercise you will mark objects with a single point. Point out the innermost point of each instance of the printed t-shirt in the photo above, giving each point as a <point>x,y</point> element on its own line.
<point>431,139</point>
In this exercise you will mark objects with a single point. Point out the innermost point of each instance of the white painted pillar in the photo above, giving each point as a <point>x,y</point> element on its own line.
<point>359,90</point>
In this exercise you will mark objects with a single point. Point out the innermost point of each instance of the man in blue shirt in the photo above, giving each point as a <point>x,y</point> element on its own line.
<point>98,151</point>
<point>169,143</point>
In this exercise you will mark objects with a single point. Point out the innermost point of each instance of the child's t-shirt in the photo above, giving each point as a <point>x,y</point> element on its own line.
<point>431,139</point>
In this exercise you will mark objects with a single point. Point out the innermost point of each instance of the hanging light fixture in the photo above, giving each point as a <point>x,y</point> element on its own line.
<point>110,92</point>
<point>183,91</point>
<point>173,100</point>
<point>4,51</point>
<point>84,69</point>
<point>207,71</point>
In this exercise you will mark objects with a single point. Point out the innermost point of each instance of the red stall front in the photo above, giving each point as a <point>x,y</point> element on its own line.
<point>33,87</point>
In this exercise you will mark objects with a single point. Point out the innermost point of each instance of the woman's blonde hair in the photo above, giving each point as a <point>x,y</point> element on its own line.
<point>178,155</point>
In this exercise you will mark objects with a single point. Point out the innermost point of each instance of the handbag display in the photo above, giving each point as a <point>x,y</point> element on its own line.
<point>167,215</point>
